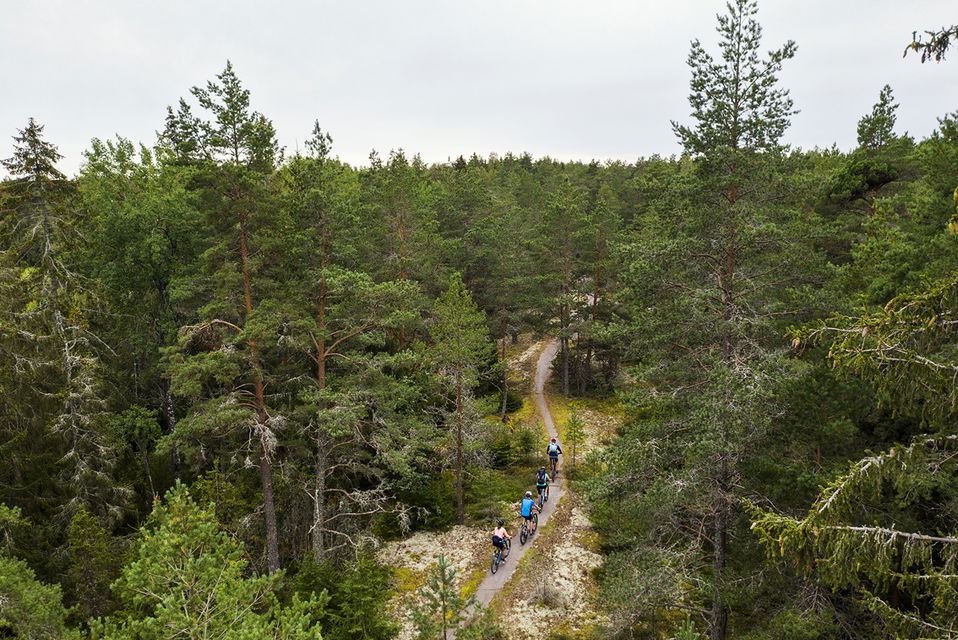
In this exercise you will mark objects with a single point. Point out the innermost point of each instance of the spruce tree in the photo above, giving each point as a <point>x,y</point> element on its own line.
<point>52,348</point>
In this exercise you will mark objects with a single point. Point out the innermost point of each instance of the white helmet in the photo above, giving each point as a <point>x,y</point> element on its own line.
<point>528,494</point>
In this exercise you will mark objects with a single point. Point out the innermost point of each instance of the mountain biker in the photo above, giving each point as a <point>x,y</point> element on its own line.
<point>529,507</point>
<point>554,450</point>
<point>542,480</point>
<point>500,535</point>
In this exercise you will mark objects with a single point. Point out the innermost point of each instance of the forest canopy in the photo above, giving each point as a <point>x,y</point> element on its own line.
<point>231,371</point>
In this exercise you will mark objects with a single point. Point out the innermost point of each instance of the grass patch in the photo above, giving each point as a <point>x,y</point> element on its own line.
<point>609,405</point>
<point>529,413</point>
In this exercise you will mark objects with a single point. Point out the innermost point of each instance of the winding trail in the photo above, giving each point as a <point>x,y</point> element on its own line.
<point>493,583</point>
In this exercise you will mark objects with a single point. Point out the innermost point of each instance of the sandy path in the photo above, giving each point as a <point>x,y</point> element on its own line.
<point>493,583</point>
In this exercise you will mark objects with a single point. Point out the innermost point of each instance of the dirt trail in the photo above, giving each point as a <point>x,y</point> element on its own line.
<point>493,583</point>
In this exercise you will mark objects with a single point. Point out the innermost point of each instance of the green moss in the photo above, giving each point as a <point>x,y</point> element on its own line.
<point>471,584</point>
<point>406,580</point>
<point>610,405</point>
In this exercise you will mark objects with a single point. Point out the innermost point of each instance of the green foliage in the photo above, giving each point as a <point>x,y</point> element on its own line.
<point>883,561</point>
<point>459,335</point>
<point>358,590</point>
<point>186,577</point>
<point>30,609</point>
<point>574,433</point>
<point>876,129</point>
<point>94,563</point>
<point>513,443</point>
<point>905,349</point>
<point>933,45</point>
<point>444,609</point>
<point>752,115</point>
<point>11,520</point>
<point>687,632</point>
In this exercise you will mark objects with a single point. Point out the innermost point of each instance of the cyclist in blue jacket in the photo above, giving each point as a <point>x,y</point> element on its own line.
<point>529,507</point>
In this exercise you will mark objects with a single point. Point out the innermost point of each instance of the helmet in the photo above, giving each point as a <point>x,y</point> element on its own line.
<point>501,522</point>
<point>553,439</point>
<point>528,494</point>
<point>542,469</point>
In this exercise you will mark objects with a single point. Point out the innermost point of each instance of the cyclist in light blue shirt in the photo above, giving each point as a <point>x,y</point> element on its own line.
<point>529,507</point>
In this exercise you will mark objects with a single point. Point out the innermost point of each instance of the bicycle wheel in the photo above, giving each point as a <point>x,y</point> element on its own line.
<point>535,523</point>
<point>523,533</point>
<point>496,559</point>
<point>542,497</point>
<point>505,552</point>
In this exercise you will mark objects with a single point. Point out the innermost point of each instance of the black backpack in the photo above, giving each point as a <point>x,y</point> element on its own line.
<point>540,477</point>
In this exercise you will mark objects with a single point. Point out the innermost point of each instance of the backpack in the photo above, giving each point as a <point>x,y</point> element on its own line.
<point>540,477</point>
<point>553,447</point>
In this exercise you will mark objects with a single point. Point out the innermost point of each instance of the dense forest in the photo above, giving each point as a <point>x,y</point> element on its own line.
<point>230,372</point>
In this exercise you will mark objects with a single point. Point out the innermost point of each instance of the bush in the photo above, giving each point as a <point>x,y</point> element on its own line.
<point>358,591</point>
<point>434,503</point>
<point>526,441</point>
<point>512,443</point>
<point>513,401</point>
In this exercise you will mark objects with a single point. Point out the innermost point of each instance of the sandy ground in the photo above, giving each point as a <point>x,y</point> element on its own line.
<point>551,595</point>
<point>464,549</point>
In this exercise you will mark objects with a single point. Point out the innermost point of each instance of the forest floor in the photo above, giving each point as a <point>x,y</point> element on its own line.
<point>546,588</point>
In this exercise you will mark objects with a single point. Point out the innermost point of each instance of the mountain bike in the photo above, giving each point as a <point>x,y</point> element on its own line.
<point>500,555</point>
<point>525,532</point>
<point>543,495</point>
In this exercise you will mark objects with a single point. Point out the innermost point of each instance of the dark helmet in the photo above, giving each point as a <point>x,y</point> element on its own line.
<point>542,469</point>
<point>501,522</point>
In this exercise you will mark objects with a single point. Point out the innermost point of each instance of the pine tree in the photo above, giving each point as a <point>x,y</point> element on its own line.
<point>338,316</point>
<point>876,129</point>
<point>574,433</point>
<point>234,152</point>
<point>705,289</point>
<point>187,578</point>
<point>445,611</point>
<point>459,344</point>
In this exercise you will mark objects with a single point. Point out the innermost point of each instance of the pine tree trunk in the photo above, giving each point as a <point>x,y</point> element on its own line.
<point>259,396</point>
<point>319,500</point>
<point>170,414</point>
<point>269,508</point>
<point>727,284</point>
<point>460,508</point>
<point>505,376</point>
<point>322,464</point>
<point>719,616</point>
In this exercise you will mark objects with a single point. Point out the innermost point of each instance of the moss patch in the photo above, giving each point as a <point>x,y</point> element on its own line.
<point>406,580</point>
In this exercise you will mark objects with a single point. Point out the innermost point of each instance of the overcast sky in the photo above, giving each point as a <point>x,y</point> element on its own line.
<point>572,80</point>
